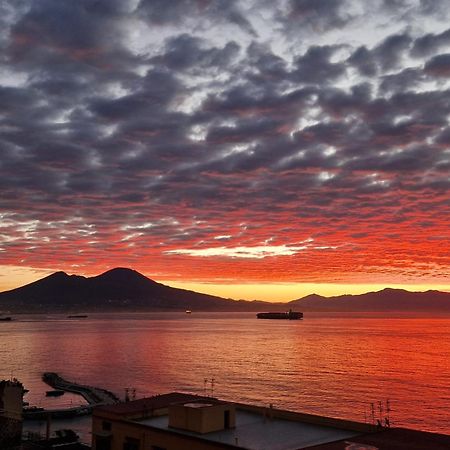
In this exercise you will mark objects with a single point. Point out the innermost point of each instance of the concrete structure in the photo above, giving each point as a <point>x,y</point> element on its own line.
<point>202,416</point>
<point>11,395</point>
<point>179,421</point>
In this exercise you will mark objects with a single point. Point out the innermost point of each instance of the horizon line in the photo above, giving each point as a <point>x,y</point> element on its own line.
<point>270,291</point>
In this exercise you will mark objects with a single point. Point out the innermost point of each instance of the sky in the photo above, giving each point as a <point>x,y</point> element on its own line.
<point>249,149</point>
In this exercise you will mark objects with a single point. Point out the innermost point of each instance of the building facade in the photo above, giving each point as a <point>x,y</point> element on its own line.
<point>11,402</point>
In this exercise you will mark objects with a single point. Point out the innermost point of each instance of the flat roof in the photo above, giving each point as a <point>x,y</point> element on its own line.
<point>393,439</point>
<point>255,432</point>
<point>153,403</point>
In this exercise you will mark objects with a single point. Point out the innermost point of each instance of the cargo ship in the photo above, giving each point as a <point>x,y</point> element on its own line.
<point>289,315</point>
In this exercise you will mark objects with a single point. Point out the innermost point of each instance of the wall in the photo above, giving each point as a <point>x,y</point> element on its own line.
<point>203,419</point>
<point>11,395</point>
<point>10,432</point>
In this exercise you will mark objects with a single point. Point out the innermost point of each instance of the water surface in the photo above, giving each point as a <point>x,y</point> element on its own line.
<point>330,364</point>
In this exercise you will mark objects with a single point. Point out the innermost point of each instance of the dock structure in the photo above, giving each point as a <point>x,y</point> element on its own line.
<point>94,396</point>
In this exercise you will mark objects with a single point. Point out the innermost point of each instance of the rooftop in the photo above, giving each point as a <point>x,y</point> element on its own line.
<point>392,439</point>
<point>153,403</point>
<point>254,431</point>
<point>260,428</point>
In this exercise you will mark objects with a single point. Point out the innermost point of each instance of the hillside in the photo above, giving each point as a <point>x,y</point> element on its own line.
<point>385,300</point>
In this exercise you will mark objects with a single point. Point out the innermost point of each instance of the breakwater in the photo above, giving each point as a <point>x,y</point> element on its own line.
<point>94,396</point>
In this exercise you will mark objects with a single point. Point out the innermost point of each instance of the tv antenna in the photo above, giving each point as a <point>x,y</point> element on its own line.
<point>208,386</point>
<point>387,419</point>
<point>130,394</point>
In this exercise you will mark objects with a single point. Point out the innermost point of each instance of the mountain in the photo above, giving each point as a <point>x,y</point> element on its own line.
<point>385,300</point>
<point>117,289</point>
<point>124,289</point>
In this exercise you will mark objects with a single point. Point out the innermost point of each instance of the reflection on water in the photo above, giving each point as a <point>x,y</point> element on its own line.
<point>326,364</point>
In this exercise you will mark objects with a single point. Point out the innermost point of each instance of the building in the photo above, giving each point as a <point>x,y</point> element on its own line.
<point>178,421</point>
<point>11,395</point>
<point>64,439</point>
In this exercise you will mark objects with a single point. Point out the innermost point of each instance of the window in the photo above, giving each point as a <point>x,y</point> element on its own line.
<point>131,444</point>
<point>102,443</point>
<point>226,419</point>
<point>106,426</point>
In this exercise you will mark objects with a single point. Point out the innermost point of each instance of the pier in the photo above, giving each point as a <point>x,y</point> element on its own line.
<point>93,395</point>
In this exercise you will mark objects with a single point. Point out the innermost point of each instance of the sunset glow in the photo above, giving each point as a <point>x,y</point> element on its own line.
<point>258,150</point>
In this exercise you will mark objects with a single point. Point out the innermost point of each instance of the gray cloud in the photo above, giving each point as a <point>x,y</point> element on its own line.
<point>386,56</point>
<point>315,66</point>
<point>438,66</point>
<point>160,12</point>
<point>430,43</point>
<point>185,52</point>
<point>405,80</point>
<point>320,14</point>
<point>364,61</point>
<point>156,91</point>
<point>391,50</point>
<point>434,7</point>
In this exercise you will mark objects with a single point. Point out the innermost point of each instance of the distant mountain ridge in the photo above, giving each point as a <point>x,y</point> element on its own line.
<point>386,300</point>
<point>123,289</point>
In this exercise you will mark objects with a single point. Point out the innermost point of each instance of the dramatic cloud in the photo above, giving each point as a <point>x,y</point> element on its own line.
<point>196,140</point>
<point>259,252</point>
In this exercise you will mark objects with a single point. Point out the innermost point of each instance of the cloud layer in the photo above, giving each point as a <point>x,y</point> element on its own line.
<point>303,141</point>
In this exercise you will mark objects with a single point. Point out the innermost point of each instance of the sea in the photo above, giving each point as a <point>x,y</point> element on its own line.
<point>359,366</point>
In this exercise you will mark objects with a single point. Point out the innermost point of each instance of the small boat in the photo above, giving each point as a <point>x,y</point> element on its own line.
<point>77,316</point>
<point>290,315</point>
<point>188,311</point>
<point>5,319</point>
<point>54,393</point>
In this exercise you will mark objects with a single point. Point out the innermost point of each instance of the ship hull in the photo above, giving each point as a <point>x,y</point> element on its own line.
<point>291,315</point>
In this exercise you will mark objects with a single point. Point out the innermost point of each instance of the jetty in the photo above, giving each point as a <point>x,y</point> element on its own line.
<point>94,396</point>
